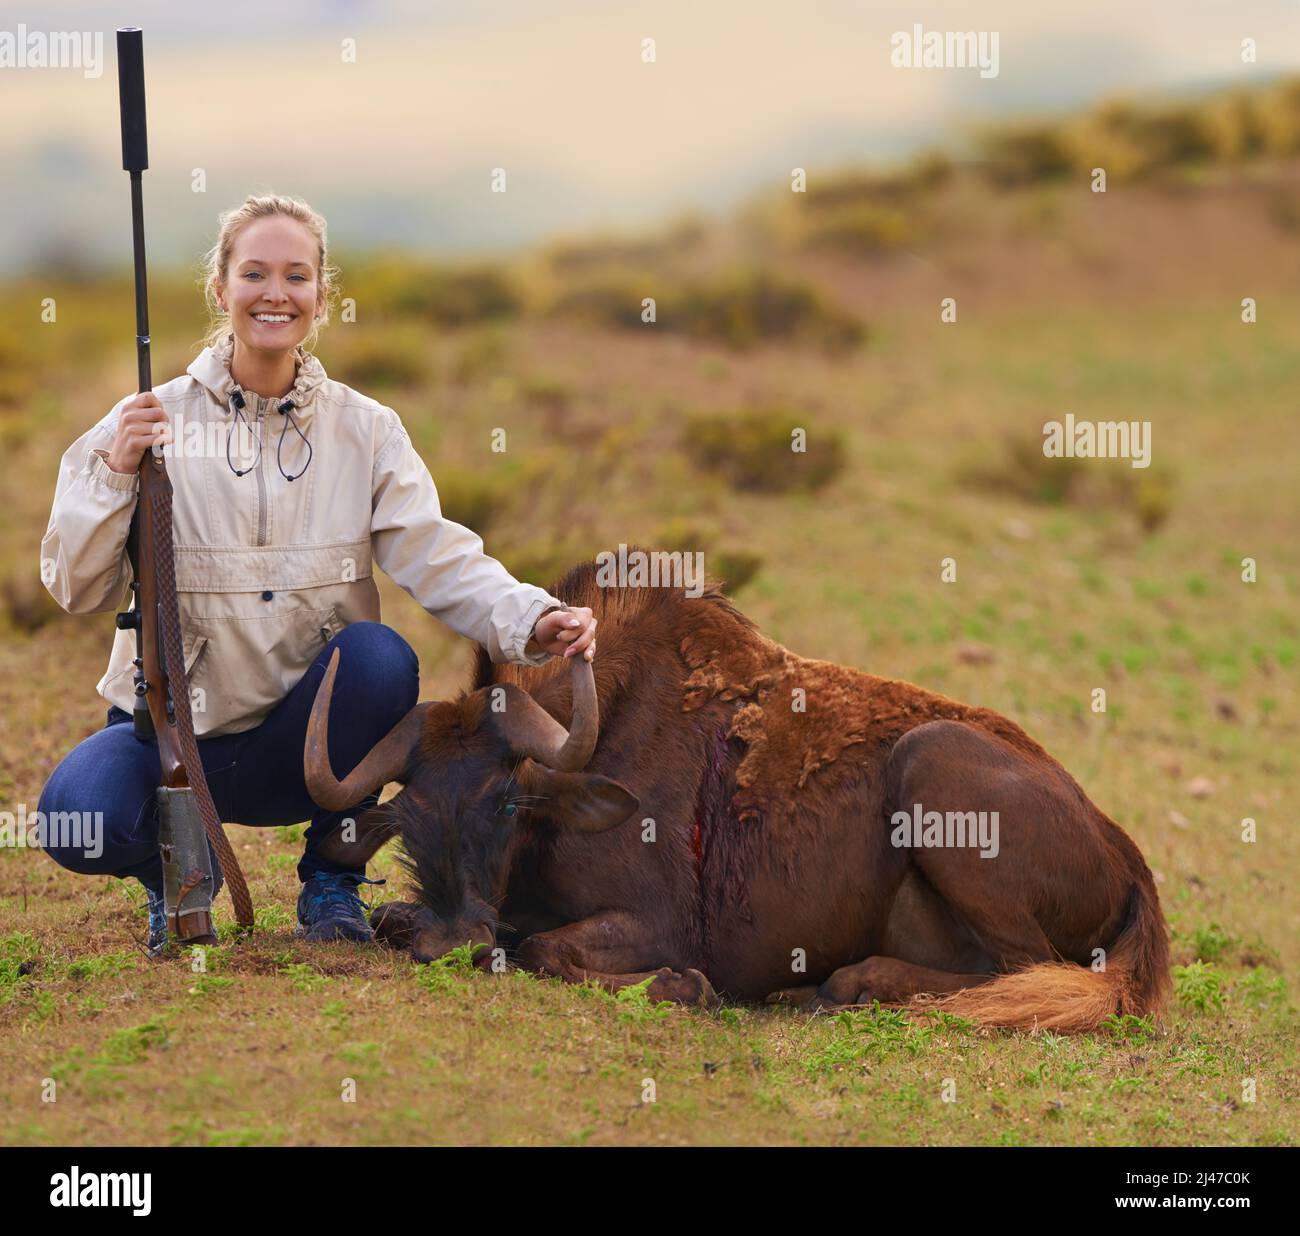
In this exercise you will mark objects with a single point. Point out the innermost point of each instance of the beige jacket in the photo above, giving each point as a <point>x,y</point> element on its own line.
<point>269,569</point>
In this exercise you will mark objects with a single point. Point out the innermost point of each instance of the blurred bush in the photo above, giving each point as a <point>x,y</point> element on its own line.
<point>378,357</point>
<point>860,187</point>
<point>611,300</point>
<point>865,212</point>
<point>546,561</point>
<point>25,603</point>
<point>576,257</point>
<point>476,499</point>
<point>1025,154</point>
<point>552,399</point>
<point>732,568</point>
<point>1280,118</point>
<point>748,307</point>
<point>1140,140</point>
<point>862,229</point>
<point>1237,126</point>
<point>484,354</point>
<point>1017,466</point>
<point>739,309</point>
<point>446,295</point>
<point>754,451</point>
<point>17,377</point>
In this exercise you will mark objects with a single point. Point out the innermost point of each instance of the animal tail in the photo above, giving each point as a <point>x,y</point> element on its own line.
<point>1074,999</point>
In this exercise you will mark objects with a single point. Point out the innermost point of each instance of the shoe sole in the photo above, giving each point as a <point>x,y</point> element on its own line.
<point>317,935</point>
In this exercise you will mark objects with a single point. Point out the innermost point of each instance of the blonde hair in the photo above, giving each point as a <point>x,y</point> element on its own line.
<point>216,262</point>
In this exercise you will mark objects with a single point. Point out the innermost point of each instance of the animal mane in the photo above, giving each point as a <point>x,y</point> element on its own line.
<point>630,622</point>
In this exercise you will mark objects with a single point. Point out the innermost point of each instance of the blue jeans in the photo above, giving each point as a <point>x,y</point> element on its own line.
<point>255,777</point>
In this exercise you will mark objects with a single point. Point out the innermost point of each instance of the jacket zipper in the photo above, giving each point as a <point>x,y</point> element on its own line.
<point>261,480</point>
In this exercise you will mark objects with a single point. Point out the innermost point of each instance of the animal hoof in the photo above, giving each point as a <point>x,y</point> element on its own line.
<point>705,996</point>
<point>689,988</point>
<point>532,955</point>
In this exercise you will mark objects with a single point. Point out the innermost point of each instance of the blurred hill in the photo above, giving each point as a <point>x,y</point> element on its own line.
<point>397,144</point>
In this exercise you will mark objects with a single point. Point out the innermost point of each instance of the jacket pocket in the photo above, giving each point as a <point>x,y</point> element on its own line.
<point>195,662</point>
<point>192,647</point>
<point>331,626</point>
<point>193,650</point>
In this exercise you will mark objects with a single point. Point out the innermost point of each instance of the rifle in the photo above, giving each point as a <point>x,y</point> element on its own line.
<point>187,816</point>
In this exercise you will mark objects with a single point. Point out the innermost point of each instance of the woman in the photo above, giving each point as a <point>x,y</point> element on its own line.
<point>287,487</point>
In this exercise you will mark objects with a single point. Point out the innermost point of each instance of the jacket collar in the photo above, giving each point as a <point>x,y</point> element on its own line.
<point>211,369</point>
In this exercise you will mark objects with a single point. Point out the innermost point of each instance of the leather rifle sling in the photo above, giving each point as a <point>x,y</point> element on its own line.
<point>160,499</point>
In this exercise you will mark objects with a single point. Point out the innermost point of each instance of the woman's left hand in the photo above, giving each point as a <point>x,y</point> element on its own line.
<point>567,632</point>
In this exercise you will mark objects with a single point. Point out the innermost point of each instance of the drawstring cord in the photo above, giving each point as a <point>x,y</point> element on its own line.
<point>238,400</point>
<point>286,408</point>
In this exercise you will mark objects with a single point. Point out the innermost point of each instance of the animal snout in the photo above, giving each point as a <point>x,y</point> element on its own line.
<point>430,943</point>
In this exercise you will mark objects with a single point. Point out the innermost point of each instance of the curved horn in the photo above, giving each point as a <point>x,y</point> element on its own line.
<point>532,731</point>
<point>386,761</point>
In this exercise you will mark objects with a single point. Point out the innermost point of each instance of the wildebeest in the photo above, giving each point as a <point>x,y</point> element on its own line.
<point>713,810</point>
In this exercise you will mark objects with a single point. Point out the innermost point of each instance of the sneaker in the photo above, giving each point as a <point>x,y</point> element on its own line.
<point>329,907</point>
<point>157,921</point>
<point>158,910</point>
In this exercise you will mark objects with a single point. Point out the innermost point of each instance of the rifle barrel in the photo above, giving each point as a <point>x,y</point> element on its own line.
<point>135,158</point>
<point>130,93</point>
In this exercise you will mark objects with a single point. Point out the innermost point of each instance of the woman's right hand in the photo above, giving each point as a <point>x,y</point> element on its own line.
<point>138,428</point>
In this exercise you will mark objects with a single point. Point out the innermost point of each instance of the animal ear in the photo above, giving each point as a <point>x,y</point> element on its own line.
<point>582,802</point>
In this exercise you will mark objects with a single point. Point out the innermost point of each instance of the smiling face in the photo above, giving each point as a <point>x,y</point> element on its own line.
<point>272,289</point>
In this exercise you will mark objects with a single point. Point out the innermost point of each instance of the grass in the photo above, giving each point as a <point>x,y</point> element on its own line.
<point>446,1053</point>
<point>1058,593</point>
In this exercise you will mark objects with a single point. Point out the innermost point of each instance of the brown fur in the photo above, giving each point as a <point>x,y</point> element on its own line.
<point>773,832</point>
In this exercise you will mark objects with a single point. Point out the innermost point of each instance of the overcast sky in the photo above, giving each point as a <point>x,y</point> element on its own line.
<point>398,147</point>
